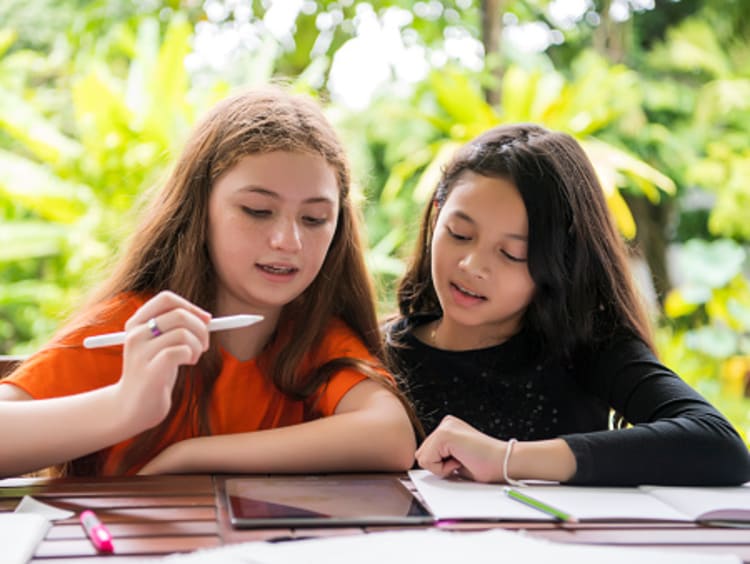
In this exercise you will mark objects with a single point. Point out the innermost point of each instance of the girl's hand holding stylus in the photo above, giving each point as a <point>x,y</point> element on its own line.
<point>456,446</point>
<point>49,431</point>
<point>166,332</point>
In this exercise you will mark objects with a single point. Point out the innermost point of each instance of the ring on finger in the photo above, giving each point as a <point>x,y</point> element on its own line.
<point>153,327</point>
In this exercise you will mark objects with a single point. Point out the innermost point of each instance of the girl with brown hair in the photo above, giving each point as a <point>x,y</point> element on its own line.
<point>255,218</point>
<point>520,331</point>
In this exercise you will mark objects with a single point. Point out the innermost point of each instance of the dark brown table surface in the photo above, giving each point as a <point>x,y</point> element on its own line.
<point>157,515</point>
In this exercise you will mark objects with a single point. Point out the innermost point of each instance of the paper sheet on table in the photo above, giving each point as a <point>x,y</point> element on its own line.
<point>463,499</point>
<point>23,530</point>
<point>30,505</point>
<point>20,534</point>
<point>605,504</point>
<point>438,547</point>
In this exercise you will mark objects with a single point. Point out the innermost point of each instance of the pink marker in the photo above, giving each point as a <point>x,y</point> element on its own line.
<point>96,531</point>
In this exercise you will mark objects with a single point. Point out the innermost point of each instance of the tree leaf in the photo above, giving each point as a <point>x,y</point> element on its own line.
<point>35,187</point>
<point>21,120</point>
<point>29,239</point>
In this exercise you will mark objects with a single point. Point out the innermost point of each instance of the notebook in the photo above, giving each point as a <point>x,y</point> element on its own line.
<point>315,501</point>
<point>731,505</point>
<point>20,534</point>
<point>461,499</point>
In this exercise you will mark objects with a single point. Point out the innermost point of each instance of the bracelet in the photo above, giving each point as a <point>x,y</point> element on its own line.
<point>508,479</point>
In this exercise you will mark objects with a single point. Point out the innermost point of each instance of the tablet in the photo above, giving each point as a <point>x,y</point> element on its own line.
<point>318,501</point>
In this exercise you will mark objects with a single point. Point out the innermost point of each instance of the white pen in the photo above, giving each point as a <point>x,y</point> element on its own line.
<point>218,324</point>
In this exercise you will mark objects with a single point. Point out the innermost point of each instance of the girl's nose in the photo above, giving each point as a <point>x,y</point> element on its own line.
<point>474,264</point>
<point>286,236</point>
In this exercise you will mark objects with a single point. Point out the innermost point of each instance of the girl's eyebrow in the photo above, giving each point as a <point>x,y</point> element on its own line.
<point>463,215</point>
<point>271,194</point>
<point>466,217</point>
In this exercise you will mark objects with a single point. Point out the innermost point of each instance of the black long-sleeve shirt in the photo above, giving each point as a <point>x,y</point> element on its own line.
<point>676,437</point>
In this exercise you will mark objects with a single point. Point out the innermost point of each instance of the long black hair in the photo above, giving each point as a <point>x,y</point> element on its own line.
<point>584,289</point>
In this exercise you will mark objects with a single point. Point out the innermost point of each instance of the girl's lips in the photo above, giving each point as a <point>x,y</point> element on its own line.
<point>467,291</point>
<point>277,273</point>
<point>277,268</point>
<point>463,296</point>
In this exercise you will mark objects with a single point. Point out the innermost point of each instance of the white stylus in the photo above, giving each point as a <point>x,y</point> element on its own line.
<point>218,324</point>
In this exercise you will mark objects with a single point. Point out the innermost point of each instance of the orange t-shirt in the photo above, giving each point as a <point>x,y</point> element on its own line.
<point>243,398</point>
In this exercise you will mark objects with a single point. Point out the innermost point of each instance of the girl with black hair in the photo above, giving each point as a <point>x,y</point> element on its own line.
<point>520,332</point>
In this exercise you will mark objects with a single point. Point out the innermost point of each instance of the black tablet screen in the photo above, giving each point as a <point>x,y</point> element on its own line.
<point>322,500</point>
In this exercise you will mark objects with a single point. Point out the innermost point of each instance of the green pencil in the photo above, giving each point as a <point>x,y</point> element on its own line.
<point>536,504</point>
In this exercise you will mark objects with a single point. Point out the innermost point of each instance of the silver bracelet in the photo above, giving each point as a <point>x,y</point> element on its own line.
<point>508,479</point>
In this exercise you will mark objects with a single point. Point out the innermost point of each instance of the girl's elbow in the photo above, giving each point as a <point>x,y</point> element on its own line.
<point>738,465</point>
<point>403,444</point>
<point>726,458</point>
<point>390,434</point>
<point>403,457</point>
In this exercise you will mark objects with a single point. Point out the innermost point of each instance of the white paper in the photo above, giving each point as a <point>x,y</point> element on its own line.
<point>721,504</point>
<point>20,534</point>
<point>23,530</point>
<point>462,499</point>
<point>591,504</point>
<point>30,505</point>
<point>438,547</point>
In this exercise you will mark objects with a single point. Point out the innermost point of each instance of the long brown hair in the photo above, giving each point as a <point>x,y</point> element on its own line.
<point>169,251</point>
<point>584,289</point>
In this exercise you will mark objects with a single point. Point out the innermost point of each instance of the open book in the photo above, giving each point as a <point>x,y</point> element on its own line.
<point>707,504</point>
<point>460,499</point>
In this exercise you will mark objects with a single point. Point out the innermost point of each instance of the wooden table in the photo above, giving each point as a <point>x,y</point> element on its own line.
<point>159,515</point>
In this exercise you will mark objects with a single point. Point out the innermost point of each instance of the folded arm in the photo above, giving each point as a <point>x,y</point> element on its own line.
<point>676,438</point>
<point>369,431</point>
<point>37,434</point>
<point>456,446</point>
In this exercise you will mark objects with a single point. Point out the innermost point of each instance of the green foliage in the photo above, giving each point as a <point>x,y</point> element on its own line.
<point>70,183</point>
<point>708,324</point>
<point>703,67</point>
<point>707,98</point>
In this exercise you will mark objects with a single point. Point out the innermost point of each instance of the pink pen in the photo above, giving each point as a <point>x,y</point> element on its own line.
<point>96,531</point>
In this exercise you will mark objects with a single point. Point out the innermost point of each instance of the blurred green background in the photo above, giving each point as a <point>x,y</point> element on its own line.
<point>97,96</point>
